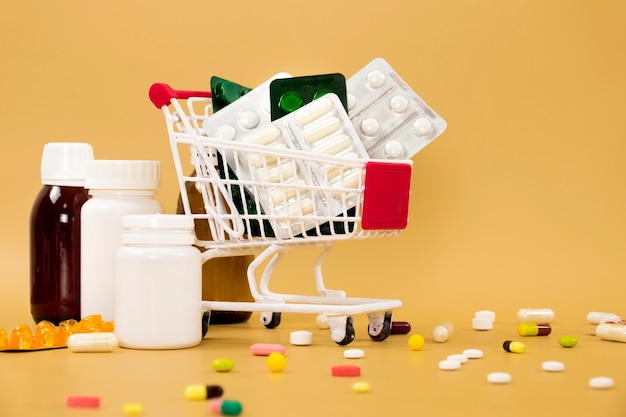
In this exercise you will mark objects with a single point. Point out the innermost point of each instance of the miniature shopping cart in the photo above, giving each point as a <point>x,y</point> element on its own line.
<point>334,198</point>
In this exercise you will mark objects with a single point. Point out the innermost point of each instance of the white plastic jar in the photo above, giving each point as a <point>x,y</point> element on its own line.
<point>117,188</point>
<point>158,283</point>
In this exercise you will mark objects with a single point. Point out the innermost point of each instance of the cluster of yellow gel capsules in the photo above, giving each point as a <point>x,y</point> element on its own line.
<point>47,336</point>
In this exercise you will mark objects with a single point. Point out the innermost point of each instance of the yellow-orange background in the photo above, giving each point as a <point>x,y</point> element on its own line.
<point>520,203</point>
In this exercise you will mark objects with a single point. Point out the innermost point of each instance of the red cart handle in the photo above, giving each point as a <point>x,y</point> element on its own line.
<point>161,94</point>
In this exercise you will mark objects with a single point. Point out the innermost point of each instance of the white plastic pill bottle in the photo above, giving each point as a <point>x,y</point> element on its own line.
<point>117,188</point>
<point>158,283</point>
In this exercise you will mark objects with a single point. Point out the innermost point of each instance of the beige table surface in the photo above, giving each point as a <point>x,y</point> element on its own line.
<point>403,382</point>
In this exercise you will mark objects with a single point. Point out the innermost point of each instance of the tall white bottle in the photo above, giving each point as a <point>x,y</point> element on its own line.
<point>117,188</point>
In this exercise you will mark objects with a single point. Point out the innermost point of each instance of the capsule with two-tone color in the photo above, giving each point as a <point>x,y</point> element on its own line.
<point>533,329</point>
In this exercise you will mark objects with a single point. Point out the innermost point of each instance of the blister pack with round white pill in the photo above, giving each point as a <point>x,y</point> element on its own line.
<point>391,119</point>
<point>320,127</point>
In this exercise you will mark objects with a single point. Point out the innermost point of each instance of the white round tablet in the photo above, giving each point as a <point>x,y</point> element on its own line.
<point>370,126</point>
<point>553,366</point>
<point>457,357</point>
<point>375,79</point>
<point>499,378</point>
<point>353,353</point>
<point>393,148</point>
<point>473,353</point>
<point>422,126</point>
<point>301,338</point>
<point>486,314</point>
<point>601,382</point>
<point>249,119</point>
<point>481,323</point>
<point>226,132</point>
<point>449,365</point>
<point>399,103</point>
<point>351,100</point>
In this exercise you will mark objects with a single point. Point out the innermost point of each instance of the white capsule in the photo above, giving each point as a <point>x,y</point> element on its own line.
<point>319,130</point>
<point>614,332</point>
<point>334,145</point>
<point>473,353</point>
<point>499,378</point>
<point>312,111</point>
<point>553,366</point>
<point>449,365</point>
<point>261,160</point>
<point>278,173</point>
<point>263,135</point>
<point>283,195</point>
<point>601,382</point>
<point>300,207</point>
<point>597,317</point>
<point>92,342</point>
<point>535,315</point>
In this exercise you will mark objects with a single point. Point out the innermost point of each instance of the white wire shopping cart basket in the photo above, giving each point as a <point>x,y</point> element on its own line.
<point>356,199</point>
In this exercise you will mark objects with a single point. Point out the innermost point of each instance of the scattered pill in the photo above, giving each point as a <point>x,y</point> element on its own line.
<point>222,364</point>
<point>473,353</point>
<point>449,365</point>
<point>513,347</point>
<point>612,331</point>
<point>499,378</point>
<point>301,338</point>
<point>553,366</point>
<point>353,353</point>
<point>601,382</point>
<point>535,315</point>
<point>361,387</point>
<point>231,408</point>
<point>482,323</point>
<point>92,342</point>
<point>534,329</point>
<point>416,342</point>
<point>457,357</point>
<point>485,314</point>
<point>568,341</point>
<point>203,392</point>
<point>442,332</point>
<point>597,317</point>
<point>276,362</point>
<point>132,409</point>
<point>215,406</point>
<point>82,401</point>
<point>345,370</point>
<point>264,349</point>
<point>400,327</point>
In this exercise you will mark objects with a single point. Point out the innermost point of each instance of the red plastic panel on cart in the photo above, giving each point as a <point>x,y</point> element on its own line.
<point>386,196</point>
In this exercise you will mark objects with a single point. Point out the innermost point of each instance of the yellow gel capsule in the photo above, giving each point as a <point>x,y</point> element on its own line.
<point>21,337</point>
<point>132,409</point>
<point>416,342</point>
<point>361,387</point>
<point>276,362</point>
<point>46,335</point>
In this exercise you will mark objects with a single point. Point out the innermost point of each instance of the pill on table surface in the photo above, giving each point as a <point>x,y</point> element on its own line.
<point>321,321</point>
<point>482,323</point>
<point>553,366</point>
<point>353,353</point>
<point>612,331</point>
<point>264,349</point>
<point>499,377</point>
<point>485,314</point>
<point>231,408</point>
<point>361,387</point>
<point>601,382</point>
<point>203,392</point>
<point>83,401</point>
<point>596,317</point>
<point>533,329</point>
<point>215,406</point>
<point>301,338</point>
<point>132,409</point>
<point>473,353</point>
<point>222,364</point>
<point>513,347</point>
<point>276,362</point>
<point>449,365</point>
<point>457,357</point>
<point>400,327</point>
<point>93,342</point>
<point>443,331</point>
<point>568,341</point>
<point>345,370</point>
<point>535,315</point>
<point>416,342</point>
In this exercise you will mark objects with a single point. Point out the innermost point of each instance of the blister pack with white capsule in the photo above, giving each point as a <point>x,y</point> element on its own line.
<point>391,119</point>
<point>320,127</point>
<point>244,115</point>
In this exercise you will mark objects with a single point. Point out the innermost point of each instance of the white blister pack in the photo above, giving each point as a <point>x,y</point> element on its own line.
<point>391,119</point>
<point>243,115</point>
<point>286,194</point>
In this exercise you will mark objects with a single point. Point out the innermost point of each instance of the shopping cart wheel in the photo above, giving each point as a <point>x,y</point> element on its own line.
<point>380,329</point>
<point>270,320</point>
<point>344,335</point>
<point>206,316</point>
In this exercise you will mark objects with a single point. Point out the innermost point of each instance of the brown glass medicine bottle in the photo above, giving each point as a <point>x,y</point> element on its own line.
<point>55,233</point>
<point>225,278</point>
